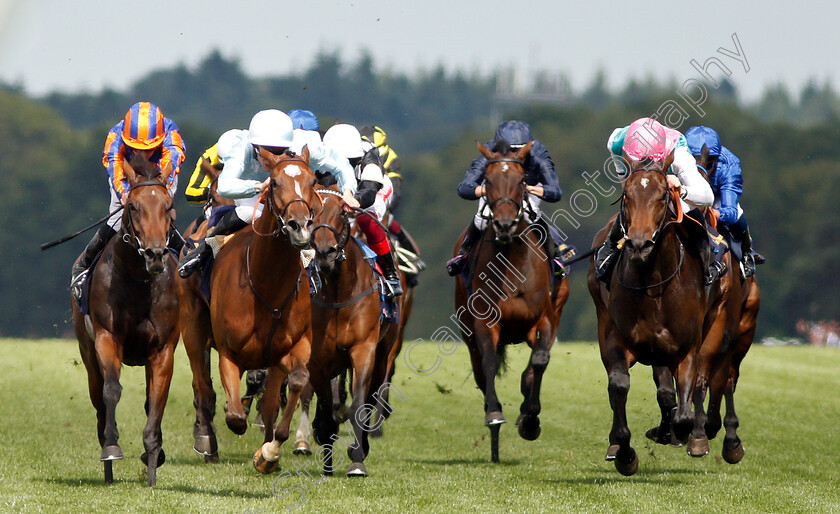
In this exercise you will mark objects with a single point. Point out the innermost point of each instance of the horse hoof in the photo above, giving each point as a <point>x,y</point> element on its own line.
<point>341,414</point>
<point>357,469</point>
<point>258,422</point>
<point>612,451</point>
<point>237,424</point>
<point>111,452</point>
<point>627,468</point>
<point>377,432</point>
<point>263,466</point>
<point>659,436</point>
<point>697,447</point>
<point>529,428</point>
<point>205,445</point>
<point>494,418</point>
<point>734,455</point>
<point>160,460</point>
<point>302,448</point>
<point>211,458</point>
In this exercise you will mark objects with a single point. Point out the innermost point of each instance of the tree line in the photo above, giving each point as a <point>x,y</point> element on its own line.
<point>55,183</point>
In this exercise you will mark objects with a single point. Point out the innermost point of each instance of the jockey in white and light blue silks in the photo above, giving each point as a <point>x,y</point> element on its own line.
<point>646,138</point>
<point>541,183</point>
<point>727,184</point>
<point>244,177</point>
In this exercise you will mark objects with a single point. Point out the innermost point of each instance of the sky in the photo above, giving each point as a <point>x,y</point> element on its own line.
<point>87,45</point>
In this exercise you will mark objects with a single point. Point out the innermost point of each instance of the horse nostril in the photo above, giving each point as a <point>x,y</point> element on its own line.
<point>647,244</point>
<point>293,225</point>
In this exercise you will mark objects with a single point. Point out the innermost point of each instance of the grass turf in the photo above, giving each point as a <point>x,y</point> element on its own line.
<point>435,456</point>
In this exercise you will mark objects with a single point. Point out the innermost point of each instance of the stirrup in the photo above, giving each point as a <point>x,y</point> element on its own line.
<point>394,287</point>
<point>190,263</point>
<point>76,284</point>
<point>455,265</point>
<point>715,271</point>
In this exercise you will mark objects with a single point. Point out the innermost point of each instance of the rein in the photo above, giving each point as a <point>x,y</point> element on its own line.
<point>267,197</point>
<point>520,206</point>
<point>344,236</point>
<point>130,235</point>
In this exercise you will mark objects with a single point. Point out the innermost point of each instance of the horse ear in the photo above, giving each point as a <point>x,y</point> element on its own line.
<point>304,153</point>
<point>525,150</point>
<point>483,149</point>
<point>129,173</point>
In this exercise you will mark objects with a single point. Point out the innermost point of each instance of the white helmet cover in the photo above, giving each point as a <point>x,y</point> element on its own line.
<point>271,128</point>
<point>346,140</point>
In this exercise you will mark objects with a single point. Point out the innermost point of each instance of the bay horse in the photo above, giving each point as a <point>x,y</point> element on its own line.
<point>741,316</point>
<point>259,314</point>
<point>656,309</point>
<point>509,296</point>
<point>133,315</point>
<point>346,331</point>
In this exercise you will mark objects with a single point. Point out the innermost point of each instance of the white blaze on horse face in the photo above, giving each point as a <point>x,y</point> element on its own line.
<point>297,189</point>
<point>504,168</point>
<point>645,182</point>
<point>292,170</point>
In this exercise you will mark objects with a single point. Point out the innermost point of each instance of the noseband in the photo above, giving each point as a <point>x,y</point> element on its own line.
<point>341,238</point>
<point>130,234</point>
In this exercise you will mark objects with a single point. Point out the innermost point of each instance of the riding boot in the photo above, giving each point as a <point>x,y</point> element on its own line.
<point>456,264</point>
<point>389,269</point>
<point>711,246</point>
<point>605,256</point>
<point>175,240</point>
<point>750,257</point>
<point>314,273</point>
<point>94,247</point>
<point>228,224</point>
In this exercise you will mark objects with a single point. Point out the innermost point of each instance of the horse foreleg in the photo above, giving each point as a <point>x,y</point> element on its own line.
<point>197,343</point>
<point>666,397</point>
<point>363,358</point>
<point>625,458</point>
<point>231,376</point>
<point>158,379</point>
<point>109,366</point>
<point>326,427</point>
<point>339,397</point>
<point>529,421</point>
<point>686,376</point>
<point>303,432</point>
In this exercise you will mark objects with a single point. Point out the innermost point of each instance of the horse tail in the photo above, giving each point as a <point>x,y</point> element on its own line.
<point>501,359</point>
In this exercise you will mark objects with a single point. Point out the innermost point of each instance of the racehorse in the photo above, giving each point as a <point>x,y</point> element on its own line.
<point>741,314</point>
<point>656,309</point>
<point>133,315</point>
<point>508,296</point>
<point>259,311</point>
<point>346,330</point>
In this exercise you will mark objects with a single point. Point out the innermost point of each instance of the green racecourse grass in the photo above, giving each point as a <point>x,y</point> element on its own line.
<point>435,456</point>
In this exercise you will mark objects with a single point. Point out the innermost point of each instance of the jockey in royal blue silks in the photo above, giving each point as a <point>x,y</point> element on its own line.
<point>541,184</point>
<point>727,184</point>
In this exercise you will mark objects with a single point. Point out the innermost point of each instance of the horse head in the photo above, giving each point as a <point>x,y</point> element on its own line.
<point>149,212</point>
<point>504,182</point>
<point>332,230</point>
<point>292,198</point>
<point>706,163</point>
<point>644,209</point>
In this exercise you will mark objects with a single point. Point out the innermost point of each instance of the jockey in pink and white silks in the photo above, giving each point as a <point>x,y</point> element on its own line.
<point>374,192</point>
<point>245,177</point>
<point>647,139</point>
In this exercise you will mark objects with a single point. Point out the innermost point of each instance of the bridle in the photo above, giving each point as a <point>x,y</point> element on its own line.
<point>280,214</point>
<point>520,205</point>
<point>130,236</point>
<point>340,237</point>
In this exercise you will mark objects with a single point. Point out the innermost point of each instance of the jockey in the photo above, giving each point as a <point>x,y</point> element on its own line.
<point>374,136</point>
<point>145,130</point>
<point>244,177</point>
<point>726,180</point>
<point>211,163</point>
<point>542,184</point>
<point>374,190</point>
<point>646,138</point>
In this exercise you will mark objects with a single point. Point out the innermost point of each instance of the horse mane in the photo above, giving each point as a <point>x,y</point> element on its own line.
<point>501,147</point>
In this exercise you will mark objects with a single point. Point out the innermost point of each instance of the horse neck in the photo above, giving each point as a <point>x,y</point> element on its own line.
<point>511,263</point>
<point>127,262</point>
<point>662,262</point>
<point>350,274</point>
<point>270,253</point>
